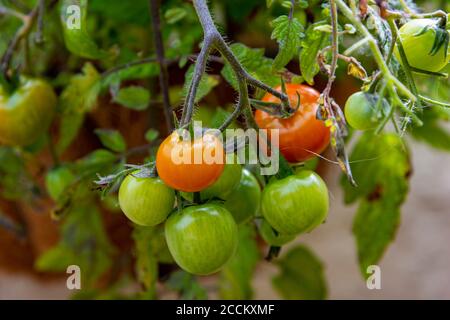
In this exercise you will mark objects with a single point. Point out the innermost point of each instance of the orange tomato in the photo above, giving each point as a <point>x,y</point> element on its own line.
<point>302,136</point>
<point>190,165</point>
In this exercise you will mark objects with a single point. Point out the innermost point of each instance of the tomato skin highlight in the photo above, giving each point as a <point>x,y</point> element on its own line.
<point>302,136</point>
<point>418,46</point>
<point>145,201</point>
<point>27,113</point>
<point>295,204</point>
<point>360,111</point>
<point>201,238</point>
<point>189,177</point>
<point>270,237</point>
<point>245,199</point>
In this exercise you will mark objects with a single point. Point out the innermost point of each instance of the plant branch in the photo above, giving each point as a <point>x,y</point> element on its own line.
<point>23,31</point>
<point>391,80</point>
<point>213,40</point>
<point>160,55</point>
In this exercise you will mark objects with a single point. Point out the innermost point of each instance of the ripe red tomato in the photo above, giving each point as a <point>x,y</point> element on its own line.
<point>302,136</point>
<point>177,168</point>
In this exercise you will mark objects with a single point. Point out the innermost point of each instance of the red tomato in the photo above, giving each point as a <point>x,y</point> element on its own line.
<point>177,168</point>
<point>302,136</point>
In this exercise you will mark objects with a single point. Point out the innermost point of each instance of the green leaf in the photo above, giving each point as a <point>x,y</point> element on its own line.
<point>173,15</point>
<point>79,97</point>
<point>236,276</point>
<point>381,168</point>
<point>254,61</point>
<point>112,139</point>
<point>207,83</point>
<point>288,33</point>
<point>432,132</point>
<point>151,135</point>
<point>140,71</point>
<point>83,243</point>
<point>76,36</point>
<point>187,286</point>
<point>146,262</point>
<point>314,41</point>
<point>133,97</point>
<point>301,276</point>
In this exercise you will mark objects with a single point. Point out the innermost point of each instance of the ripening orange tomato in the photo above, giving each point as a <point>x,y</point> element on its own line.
<point>302,136</point>
<point>190,165</point>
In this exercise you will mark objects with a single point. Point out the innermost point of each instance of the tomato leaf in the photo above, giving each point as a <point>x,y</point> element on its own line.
<point>236,276</point>
<point>254,61</point>
<point>187,286</point>
<point>381,167</point>
<point>288,32</point>
<point>173,15</point>
<point>112,139</point>
<point>313,42</point>
<point>133,97</point>
<point>79,97</point>
<point>301,276</point>
<point>83,242</point>
<point>432,132</point>
<point>76,36</point>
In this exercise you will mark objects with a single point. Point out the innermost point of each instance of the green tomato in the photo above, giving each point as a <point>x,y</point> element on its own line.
<point>361,112</point>
<point>57,180</point>
<point>272,237</point>
<point>244,202</point>
<point>224,186</point>
<point>145,201</point>
<point>27,113</point>
<point>201,238</point>
<point>418,38</point>
<point>295,204</point>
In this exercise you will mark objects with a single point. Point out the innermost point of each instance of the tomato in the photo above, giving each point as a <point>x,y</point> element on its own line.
<point>244,201</point>
<point>57,180</point>
<point>201,238</point>
<point>361,112</point>
<point>145,201</point>
<point>302,136</point>
<point>26,114</point>
<point>418,44</point>
<point>177,168</point>
<point>295,204</point>
<point>222,188</point>
<point>272,237</point>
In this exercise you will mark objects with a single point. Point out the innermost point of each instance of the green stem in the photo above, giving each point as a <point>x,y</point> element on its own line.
<point>434,102</point>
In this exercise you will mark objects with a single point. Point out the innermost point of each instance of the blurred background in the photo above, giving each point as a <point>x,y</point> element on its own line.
<point>415,266</point>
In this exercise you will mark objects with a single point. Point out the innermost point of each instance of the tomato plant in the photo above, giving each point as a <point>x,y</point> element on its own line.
<point>363,111</point>
<point>295,204</point>
<point>201,238</point>
<point>425,44</point>
<point>145,201</point>
<point>244,199</point>
<point>186,175</point>
<point>302,136</point>
<point>145,101</point>
<point>26,113</point>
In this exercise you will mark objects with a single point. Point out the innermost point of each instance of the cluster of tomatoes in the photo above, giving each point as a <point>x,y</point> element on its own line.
<point>202,236</point>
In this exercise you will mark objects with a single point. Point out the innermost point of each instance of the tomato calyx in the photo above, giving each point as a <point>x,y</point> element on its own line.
<point>276,109</point>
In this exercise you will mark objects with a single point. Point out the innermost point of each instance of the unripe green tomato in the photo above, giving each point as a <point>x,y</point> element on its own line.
<point>244,202</point>
<point>145,201</point>
<point>201,238</point>
<point>418,45</point>
<point>295,204</point>
<point>273,238</point>
<point>223,187</point>
<point>360,111</point>
<point>26,114</point>
<point>57,180</point>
